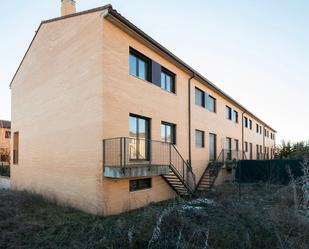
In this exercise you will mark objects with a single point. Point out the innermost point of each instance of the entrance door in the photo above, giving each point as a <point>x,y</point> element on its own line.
<point>139,138</point>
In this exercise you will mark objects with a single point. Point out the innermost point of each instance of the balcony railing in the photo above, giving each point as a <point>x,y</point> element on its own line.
<point>127,157</point>
<point>231,155</point>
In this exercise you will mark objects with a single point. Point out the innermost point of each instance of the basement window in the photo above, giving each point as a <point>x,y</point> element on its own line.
<point>140,184</point>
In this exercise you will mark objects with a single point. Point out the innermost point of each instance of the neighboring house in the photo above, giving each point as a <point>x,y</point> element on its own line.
<point>5,138</point>
<point>106,119</point>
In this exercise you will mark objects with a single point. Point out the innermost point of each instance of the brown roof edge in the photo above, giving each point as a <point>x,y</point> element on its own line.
<point>52,20</point>
<point>122,19</point>
<point>79,13</point>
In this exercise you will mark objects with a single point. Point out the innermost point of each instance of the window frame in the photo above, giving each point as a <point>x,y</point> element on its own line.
<point>140,57</point>
<point>203,138</point>
<point>209,97</point>
<point>7,134</point>
<point>138,181</point>
<point>173,131</point>
<point>167,72</point>
<point>228,112</point>
<point>202,97</point>
<point>235,116</point>
<point>215,147</point>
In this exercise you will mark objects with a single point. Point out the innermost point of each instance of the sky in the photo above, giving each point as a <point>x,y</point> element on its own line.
<point>257,51</point>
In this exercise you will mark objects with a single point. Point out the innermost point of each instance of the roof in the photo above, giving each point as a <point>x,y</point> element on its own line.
<point>112,12</point>
<point>5,124</point>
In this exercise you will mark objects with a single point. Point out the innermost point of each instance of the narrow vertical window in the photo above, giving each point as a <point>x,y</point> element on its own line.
<point>139,65</point>
<point>168,132</point>
<point>235,116</point>
<point>250,124</point>
<point>16,147</point>
<point>228,112</point>
<point>211,103</point>
<point>199,139</point>
<point>167,81</point>
<point>199,97</point>
<point>212,147</point>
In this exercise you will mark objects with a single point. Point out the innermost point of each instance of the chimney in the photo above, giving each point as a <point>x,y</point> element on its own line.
<point>67,7</point>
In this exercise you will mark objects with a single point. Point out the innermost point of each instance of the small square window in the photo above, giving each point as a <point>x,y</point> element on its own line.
<point>7,134</point>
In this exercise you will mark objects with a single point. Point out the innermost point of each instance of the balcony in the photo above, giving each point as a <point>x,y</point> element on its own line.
<point>130,157</point>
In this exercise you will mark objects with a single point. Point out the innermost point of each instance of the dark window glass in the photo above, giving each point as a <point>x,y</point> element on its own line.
<point>246,122</point>
<point>228,112</point>
<point>212,147</point>
<point>167,81</point>
<point>139,65</point>
<point>211,103</point>
<point>199,97</point>
<point>260,129</point>
<point>140,184</point>
<point>235,116</point>
<point>7,134</point>
<point>250,124</point>
<point>168,132</point>
<point>199,139</point>
<point>257,128</point>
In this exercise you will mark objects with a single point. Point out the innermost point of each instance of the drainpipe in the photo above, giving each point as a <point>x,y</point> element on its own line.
<point>189,115</point>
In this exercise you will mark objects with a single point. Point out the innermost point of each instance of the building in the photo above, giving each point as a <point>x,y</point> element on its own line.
<point>118,121</point>
<point>5,138</point>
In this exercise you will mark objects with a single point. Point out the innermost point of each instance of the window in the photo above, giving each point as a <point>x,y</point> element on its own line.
<point>264,132</point>
<point>246,146</point>
<point>7,134</point>
<point>140,184</point>
<point>139,130</point>
<point>257,149</point>
<point>139,65</point>
<point>250,124</point>
<point>211,103</point>
<point>261,149</point>
<point>235,116</point>
<point>228,146</point>
<point>245,122</point>
<point>167,81</point>
<point>260,129</point>
<point>15,147</point>
<point>236,144</point>
<point>257,128</point>
<point>199,97</point>
<point>212,147</point>
<point>168,132</point>
<point>199,139</point>
<point>228,112</point>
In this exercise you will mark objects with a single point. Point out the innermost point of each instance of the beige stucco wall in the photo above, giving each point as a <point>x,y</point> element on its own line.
<point>57,110</point>
<point>74,89</point>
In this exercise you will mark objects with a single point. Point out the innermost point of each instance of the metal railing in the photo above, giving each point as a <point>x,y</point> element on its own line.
<point>125,152</point>
<point>230,155</point>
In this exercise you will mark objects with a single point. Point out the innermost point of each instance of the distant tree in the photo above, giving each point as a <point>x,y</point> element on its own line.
<point>298,150</point>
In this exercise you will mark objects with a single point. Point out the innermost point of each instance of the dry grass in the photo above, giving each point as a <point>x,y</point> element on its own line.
<point>264,217</point>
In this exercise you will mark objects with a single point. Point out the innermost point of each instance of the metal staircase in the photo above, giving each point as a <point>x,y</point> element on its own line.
<point>209,176</point>
<point>180,176</point>
<point>227,158</point>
